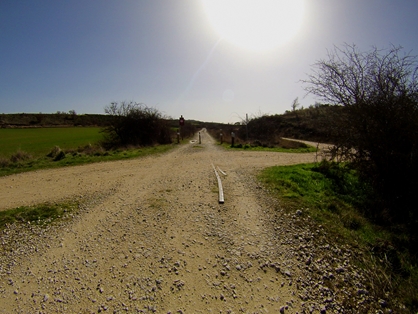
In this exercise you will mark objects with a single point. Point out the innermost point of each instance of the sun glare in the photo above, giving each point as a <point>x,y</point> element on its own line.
<point>257,25</point>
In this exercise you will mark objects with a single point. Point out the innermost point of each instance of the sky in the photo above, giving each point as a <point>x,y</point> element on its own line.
<point>81,55</point>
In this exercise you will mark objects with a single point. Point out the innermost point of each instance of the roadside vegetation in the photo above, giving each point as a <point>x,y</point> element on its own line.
<point>281,145</point>
<point>364,191</point>
<point>129,130</point>
<point>22,161</point>
<point>223,136</point>
<point>335,198</point>
<point>135,124</point>
<point>278,149</point>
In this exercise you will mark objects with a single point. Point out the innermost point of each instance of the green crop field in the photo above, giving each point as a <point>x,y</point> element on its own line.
<point>40,141</point>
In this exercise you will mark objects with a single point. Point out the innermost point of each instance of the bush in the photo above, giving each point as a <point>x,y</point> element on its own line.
<point>59,156</point>
<point>92,150</point>
<point>135,124</point>
<point>264,127</point>
<point>376,128</point>
<point>20,156</point>
<point>4,162</point>
<point>54,152</point>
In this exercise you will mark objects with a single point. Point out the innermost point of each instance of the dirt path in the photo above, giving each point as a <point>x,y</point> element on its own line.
<point>153,238</point>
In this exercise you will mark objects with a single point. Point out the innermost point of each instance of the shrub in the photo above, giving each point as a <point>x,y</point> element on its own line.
<point>135,124</point>
<point>4,162</point>
<point>351,220</point>
<point>20,156</point>
<point>54,152</point>
<point>256,143</point>
<point>376,128</point>
<point>59,156</point>
<point>91,150</point>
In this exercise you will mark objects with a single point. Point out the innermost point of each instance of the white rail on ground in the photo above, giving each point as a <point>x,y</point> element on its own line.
<point>221,191</point>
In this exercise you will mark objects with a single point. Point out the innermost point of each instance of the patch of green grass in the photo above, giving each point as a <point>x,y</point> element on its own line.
<point>332,201</point>
<point>74,157</point>
<point>39,141</point>
<point>297,183</point>
<point>334,197</point>
<point>39,214</point>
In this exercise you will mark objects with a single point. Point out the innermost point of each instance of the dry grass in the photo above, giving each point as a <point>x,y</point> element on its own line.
<point>20,155</point>
<point>91,150</point>
<point>54,152</point>
<point>4,162</point>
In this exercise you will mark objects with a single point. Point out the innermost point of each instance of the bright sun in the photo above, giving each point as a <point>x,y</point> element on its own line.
<point>257,25</point>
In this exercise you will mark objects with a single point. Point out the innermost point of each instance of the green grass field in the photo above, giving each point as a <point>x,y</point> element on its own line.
<point>40,141</point>
<point>24,150</point>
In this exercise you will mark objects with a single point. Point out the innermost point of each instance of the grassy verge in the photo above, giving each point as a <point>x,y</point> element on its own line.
<point>39,214</point>
<point>23,162</point>
<point>334,198</point>
<point>247,147</point>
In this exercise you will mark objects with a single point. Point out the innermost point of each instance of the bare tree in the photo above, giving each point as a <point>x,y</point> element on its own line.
<point>377,126</point>
<point>295,104</point>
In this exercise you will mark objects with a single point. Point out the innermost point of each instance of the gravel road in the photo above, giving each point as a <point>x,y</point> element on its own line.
<point>151,237</point>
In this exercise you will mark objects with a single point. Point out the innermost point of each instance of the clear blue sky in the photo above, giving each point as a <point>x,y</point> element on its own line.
<point>58,55</point>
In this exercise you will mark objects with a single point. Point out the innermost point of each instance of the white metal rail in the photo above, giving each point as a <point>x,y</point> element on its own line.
<point>221,191</point>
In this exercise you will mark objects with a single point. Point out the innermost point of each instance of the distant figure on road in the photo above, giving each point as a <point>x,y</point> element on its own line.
<point>181,123</point>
